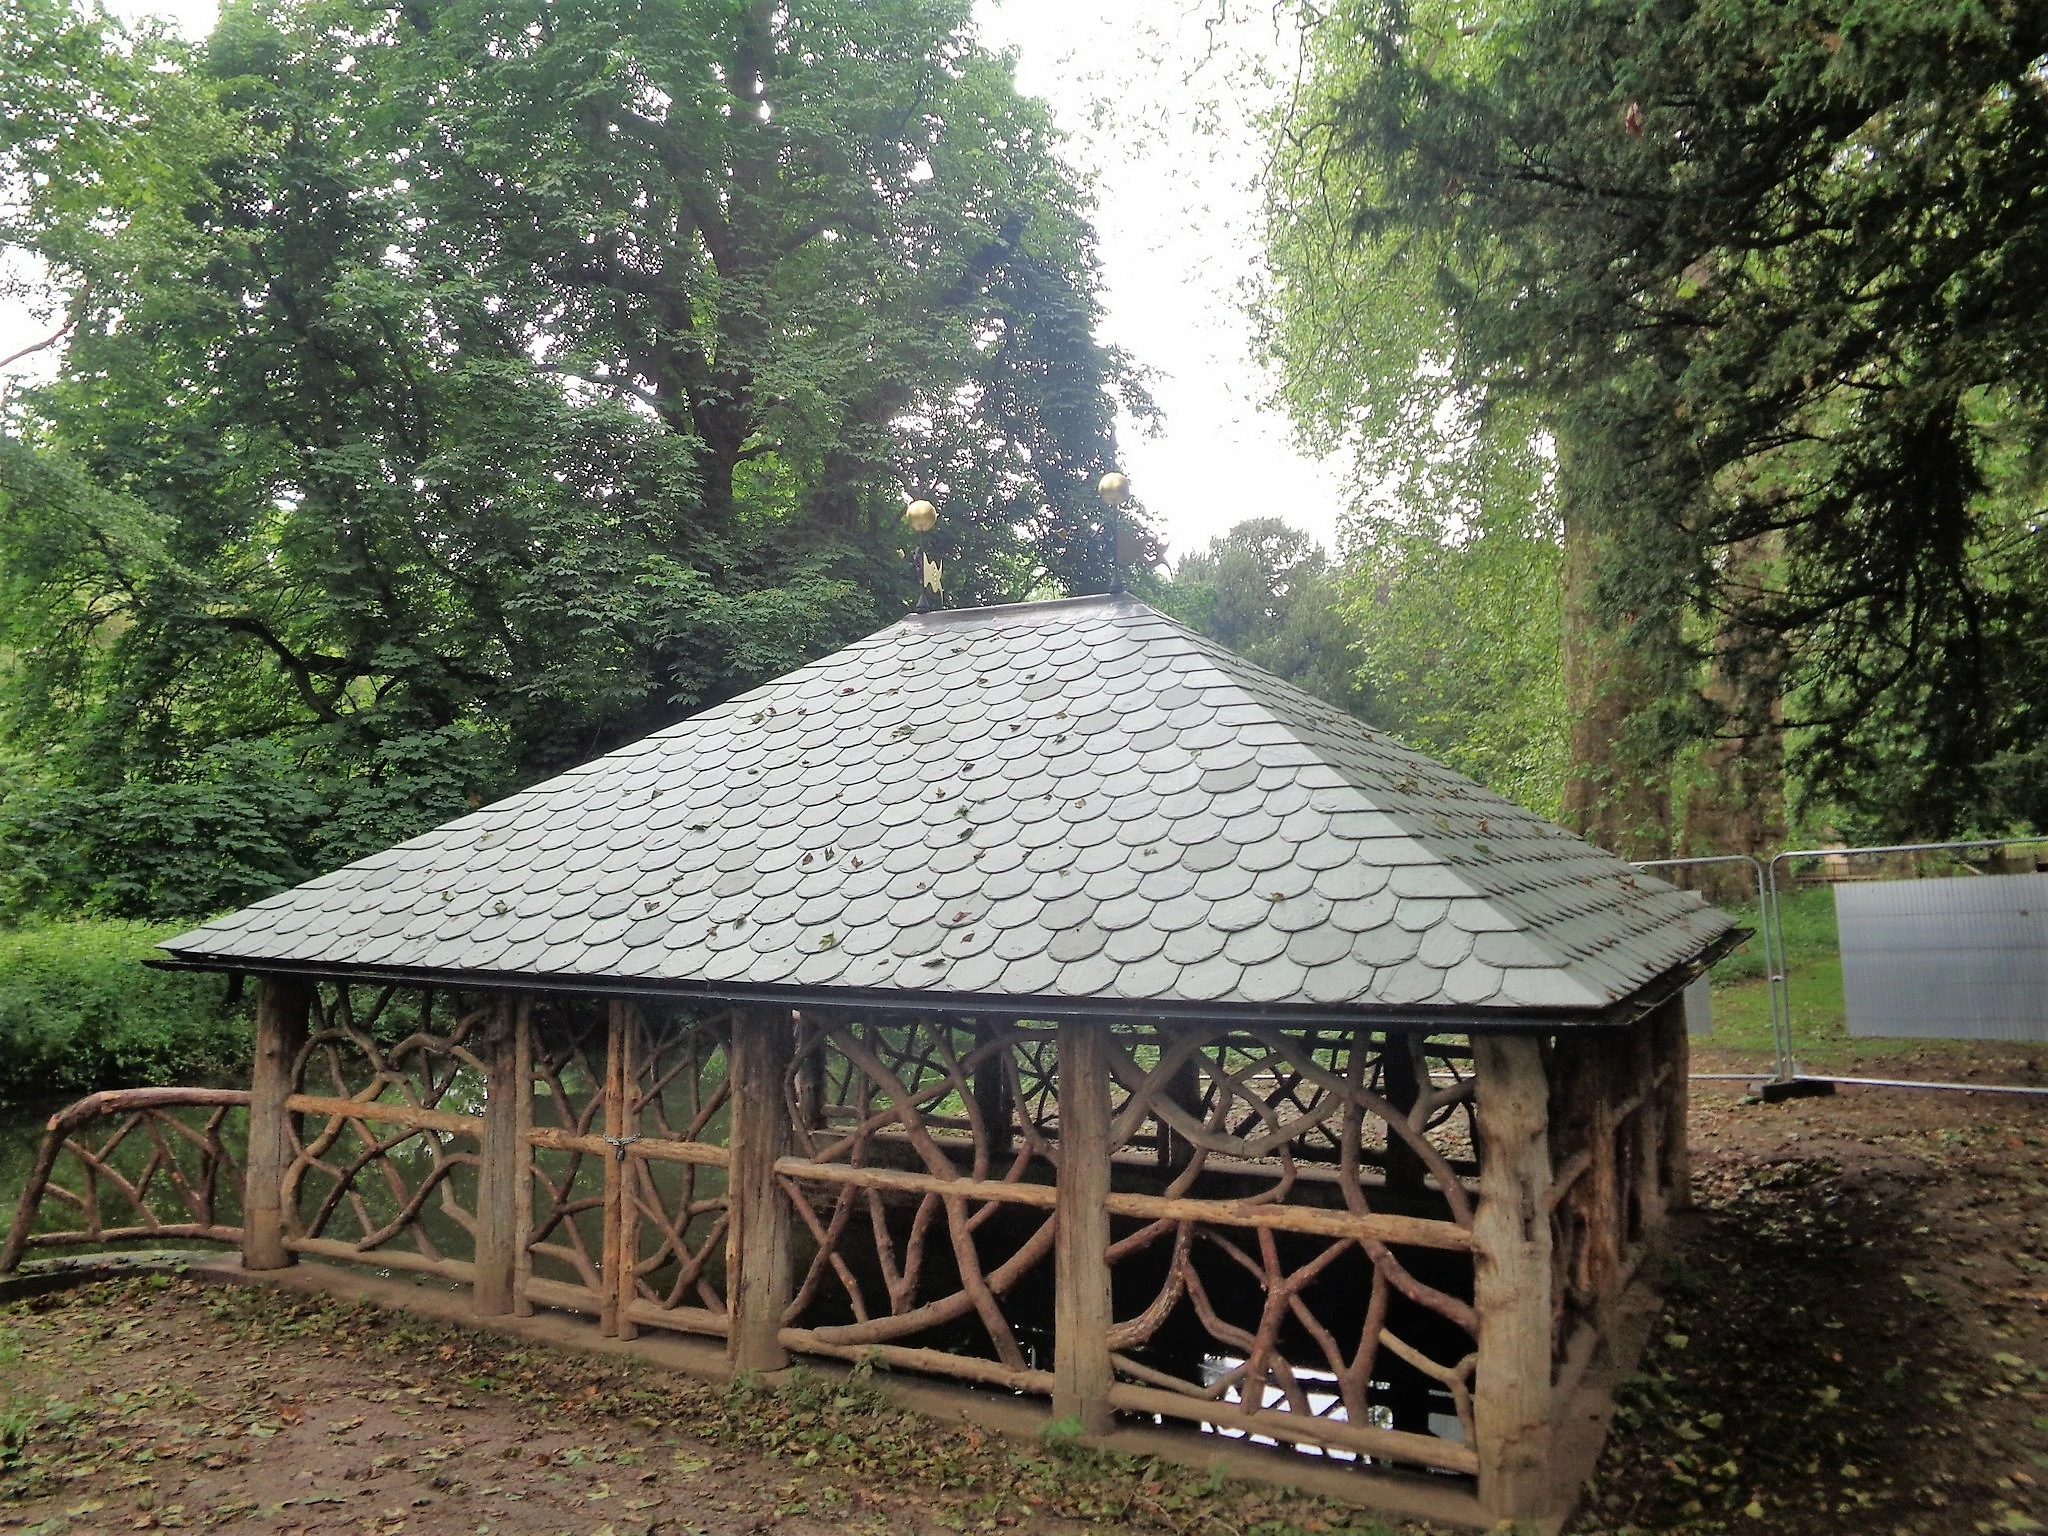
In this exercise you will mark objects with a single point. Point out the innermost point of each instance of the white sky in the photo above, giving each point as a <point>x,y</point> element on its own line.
<point>1161,124</point>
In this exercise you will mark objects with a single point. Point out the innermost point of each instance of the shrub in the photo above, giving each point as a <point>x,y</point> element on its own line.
<point>79,1010</point>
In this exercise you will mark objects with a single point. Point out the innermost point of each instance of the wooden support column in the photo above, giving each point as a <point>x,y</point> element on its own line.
<point>992,1101</point>
<point>1673,1048</point>
<point>1511,1277</point>
<point>502,1182</point>
<point>1600,1081</point>
<point>622,1283</point>
<point>619,1020</point>
<point>1184,1091</point>
<point>522,1207</point>
<point>760,1274</point>
<point>1402,1078</point>
<point>1404,1074</point>
<point>282,1004</point>
<point>1647,1175</point>
<point>814,1081</point>
<point>1082,1374</point>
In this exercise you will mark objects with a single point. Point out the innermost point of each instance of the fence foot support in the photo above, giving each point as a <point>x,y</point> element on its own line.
<point>1777,1091</point>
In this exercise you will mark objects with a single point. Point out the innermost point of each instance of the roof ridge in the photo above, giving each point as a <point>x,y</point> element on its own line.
<point>996,613</point>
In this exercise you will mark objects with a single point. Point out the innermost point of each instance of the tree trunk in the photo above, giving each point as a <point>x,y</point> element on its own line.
<point>1736,801</point>
<point>1617,789</point>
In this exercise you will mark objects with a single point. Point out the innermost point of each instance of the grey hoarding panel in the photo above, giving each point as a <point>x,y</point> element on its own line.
<point>1699,1008</point>
<point>1961,959</point>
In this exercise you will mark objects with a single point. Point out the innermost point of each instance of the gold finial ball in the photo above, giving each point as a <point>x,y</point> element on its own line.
<point>923,516</point>
<point>1114,489</point>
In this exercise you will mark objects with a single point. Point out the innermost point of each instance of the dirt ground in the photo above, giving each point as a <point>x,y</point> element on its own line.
<point>1856,1326</point>
<point>1855,1342</point>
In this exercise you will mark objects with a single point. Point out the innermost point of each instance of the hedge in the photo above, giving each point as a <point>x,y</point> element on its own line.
<point>79,1010</point>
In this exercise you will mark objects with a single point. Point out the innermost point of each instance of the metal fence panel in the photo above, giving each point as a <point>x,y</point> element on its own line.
<point>1951,959</point>
<point>1699,1009</point>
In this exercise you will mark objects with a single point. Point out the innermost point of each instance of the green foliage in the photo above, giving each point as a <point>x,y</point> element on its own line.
<point>1458,645</point>
<point>1267,592</point>
<point>1445,639</point>
<point>461,390</point>
<point>17,1421</point>
<point>1769,277</point>
<point>1062,1436</point>
<point>1451,560</point>
<point>80,1011</point>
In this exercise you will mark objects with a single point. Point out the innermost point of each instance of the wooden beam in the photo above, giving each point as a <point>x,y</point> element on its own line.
<point>282,1004</point>
<point>1082,1372</point>
<point>1511,1277</point>
<point>447,1121</point>
<point>1599,1081</point>
<point>501,1176</point>
<point>930,1362</point>
<point>1300,1429</point>
<point>760,1269</point>
<point>1411,1231</point>
<point>991,1102</point>
<point>701,1152</point>
<point>627,1280</point>
<point>1646,1177</point>
<point>382,1258</point>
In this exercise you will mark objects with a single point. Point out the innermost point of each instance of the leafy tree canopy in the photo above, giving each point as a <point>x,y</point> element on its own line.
<point>1267,591</point>
<point>1768,278</point>
<point>460,388</point>
<point>1445,639</point>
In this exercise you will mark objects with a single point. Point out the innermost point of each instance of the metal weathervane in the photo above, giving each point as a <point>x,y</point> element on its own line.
<point>924,517</point>
<point>1115,489</point>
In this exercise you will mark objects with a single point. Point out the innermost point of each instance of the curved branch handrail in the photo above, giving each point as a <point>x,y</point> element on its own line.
<point>146,1107</point>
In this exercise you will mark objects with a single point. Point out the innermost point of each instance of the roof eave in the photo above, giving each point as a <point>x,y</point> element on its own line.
<point>1441,1017</point>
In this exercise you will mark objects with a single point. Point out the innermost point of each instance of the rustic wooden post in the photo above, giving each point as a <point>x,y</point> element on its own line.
<point>1402,1082</point>
<point>1647,1175</point>
<point>1673,1050</point>
<point>522,1206</point>
<point>759,1262</point>
<point>621,1275</point>
<point>1403,1076</point>
<point>1600,1082</point>
<point>614,1169</point>
<point>1184,1090</point>
<point>501,1178</point>
<point>813,1081</point>
<point>1511,1277</point>
<point>992,1098</point>
<point>282,1004</point>
<point>1081,1370</point>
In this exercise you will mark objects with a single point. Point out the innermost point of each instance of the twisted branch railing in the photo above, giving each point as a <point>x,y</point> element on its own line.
<point>168,1159</point>
<point>1282,1233</point>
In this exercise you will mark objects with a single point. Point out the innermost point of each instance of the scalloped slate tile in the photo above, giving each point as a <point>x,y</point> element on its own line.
<point>1067,799</point>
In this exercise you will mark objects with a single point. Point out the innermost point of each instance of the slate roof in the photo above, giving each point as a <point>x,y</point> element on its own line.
<point>1073,801</point>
